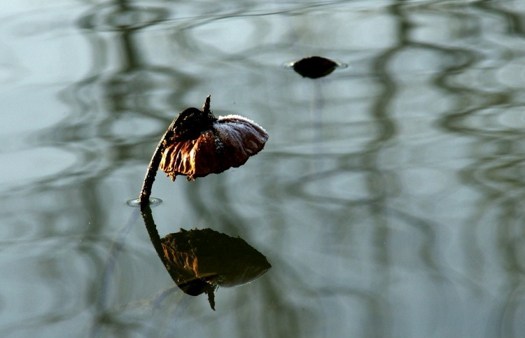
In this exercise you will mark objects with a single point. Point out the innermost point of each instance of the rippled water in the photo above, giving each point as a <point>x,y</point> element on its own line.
<point>388,199</point>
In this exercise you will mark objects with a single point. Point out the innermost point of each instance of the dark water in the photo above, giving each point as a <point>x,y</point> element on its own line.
<point>388,199</point>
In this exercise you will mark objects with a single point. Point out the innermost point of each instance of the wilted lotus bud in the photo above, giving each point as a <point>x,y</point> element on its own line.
<point>203,144</point>
<point>314,66</point>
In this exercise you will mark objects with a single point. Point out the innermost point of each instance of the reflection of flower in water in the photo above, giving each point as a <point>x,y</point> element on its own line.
<point>201,260</point>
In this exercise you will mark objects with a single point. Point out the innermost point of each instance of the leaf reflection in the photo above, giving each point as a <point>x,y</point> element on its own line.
<point>201,260</point>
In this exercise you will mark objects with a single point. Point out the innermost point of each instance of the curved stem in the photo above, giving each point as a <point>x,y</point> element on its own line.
<point>153,166</point>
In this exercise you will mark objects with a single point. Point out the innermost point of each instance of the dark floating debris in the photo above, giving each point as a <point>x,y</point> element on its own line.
<point>203,144</point>
<point>315,67</point>
<point>201,260</point>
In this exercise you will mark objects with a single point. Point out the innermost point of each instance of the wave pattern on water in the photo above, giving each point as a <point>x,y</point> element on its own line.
<point>388,198</point>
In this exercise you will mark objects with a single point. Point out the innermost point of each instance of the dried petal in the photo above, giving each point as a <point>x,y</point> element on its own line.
<point>229,142</point>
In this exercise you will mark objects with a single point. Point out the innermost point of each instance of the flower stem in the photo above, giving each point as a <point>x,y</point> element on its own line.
<point>153,166</point>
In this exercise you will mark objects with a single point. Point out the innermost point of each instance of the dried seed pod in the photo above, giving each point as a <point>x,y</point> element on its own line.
<point>314,66</point>
<point>203,144</point>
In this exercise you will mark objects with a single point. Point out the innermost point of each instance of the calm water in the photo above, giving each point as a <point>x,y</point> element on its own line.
<point>388,199</point>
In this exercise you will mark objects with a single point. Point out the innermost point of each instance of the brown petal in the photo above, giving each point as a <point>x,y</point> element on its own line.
<point>229,143</point>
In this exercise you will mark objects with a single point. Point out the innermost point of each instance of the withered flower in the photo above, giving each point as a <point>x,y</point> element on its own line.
<point>197,144</point>
<point>203,144</point>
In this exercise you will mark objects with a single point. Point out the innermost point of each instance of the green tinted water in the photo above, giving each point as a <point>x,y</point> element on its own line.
<point>388,198</point>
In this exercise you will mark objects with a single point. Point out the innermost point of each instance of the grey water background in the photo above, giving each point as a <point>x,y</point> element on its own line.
<point>388,199</point>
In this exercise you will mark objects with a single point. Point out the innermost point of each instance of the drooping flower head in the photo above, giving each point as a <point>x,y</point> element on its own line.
<point>203,144</point>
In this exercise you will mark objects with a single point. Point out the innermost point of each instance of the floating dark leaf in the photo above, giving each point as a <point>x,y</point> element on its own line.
<point>203,144</point>
<point>314,67</point>
<point>203,259</point>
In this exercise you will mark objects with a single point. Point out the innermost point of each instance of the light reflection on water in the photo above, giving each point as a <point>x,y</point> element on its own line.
<point>388,198</point>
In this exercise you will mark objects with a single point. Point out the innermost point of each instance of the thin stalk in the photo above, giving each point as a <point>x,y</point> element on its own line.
<point>153,166</point>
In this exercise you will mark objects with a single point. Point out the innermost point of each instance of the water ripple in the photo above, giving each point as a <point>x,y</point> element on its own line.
<point>123,16</point>
<point>400,175</point>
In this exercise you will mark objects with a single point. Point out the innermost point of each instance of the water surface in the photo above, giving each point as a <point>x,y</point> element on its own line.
<point>388,198</point>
